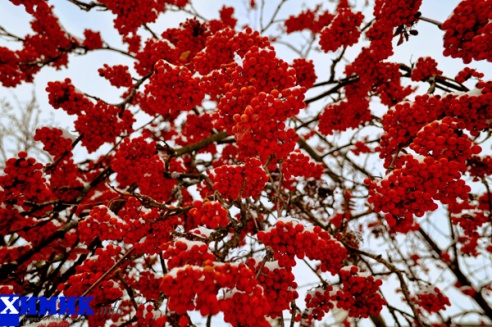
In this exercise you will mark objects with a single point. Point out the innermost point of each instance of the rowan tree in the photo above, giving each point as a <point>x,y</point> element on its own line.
<point>271,165</point>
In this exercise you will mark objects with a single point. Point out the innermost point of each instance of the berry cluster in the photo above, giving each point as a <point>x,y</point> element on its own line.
<point>466,73</point>
<point>102,123</point>
<point>192,288</point>
<point>97,123</point>
<point>261,130</point>
<point>404,121</point>
<point>318,303</point>
<point>137,161</point>
<point>389,15</point>
<point>445,139</point>
<point>11,74</point>
<point>298,164</point>
<point>468,31</point>
<point>240,181</point>
<point>255,105</point>
<point>195,129</point>
<point>432,300</point>
<point>278,285</point>
<point>92,40</point>
<point>130,158</point>
<point>479,167</point>
<point>66,182</point>
<point>470,221</point>
<point>338,219</point>
<point>64,95</point>
<point>147,231</point>
<point>247,39</point>
<point>310,20</point>
<point>147,316</point>
<point>424,69</point>
<point>153,51</point>
<point>48,46</point>
<point>195,288</point>
<point>214,83</point>
<point>217,52</point>
<point>246,309</point>
<point>398,12</point>
<point>289,238</point>
<point>411,187</point>
<point>183,252</point>
<point>210,214</point>
<point>305,73</point>
<point>387,83</point>
<point>171,89</point>
<point>344,115</point>
<point>226,19</point>
<point>51,42</point>
<point>102,223</point>
<point>23,181</point>
<point>469,244</point>
<point>53,141</point>
<point>374,77</point>
<point>109,290</point>
<point>473,109</point>
<point>147,283</point>
<point>359,294</point>
<point>117,75</point>
<point>188,40</point>
<point>343,31</point>
<point>130,15</point>
<point>360,147</point>
<point>133,42</point>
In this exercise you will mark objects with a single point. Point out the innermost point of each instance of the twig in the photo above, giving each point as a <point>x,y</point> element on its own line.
<point>113,268</point>
<point>398,273</point>
<point>201,144</point>
<point>129,98</point>
<point>87,6</point>
<point>430,20</point>
<point>334,89</point>
<point>272,20</point>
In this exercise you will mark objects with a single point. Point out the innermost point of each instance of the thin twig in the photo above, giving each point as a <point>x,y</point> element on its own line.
<point>113,268</point>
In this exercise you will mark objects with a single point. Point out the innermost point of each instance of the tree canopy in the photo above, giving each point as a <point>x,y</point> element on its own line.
<point>273,165</point>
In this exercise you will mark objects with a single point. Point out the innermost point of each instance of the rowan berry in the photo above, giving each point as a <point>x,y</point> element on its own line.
<point>306,76</point>
<point>424,69</point>
<point>358,294</point>
<point>318,303</point>
<point>171,89</point>
<point>102,123</point>
<point>54,141</point>
<point>64,95</point>
<point>92,40</point>
<point>240,181</point>
<point>467,31</point>
<point>343,30</point>
<point>210,214</point>
<point>432,300</point>
<point>309,19</point>
<point>117,75</point>
<point>289,238</point>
